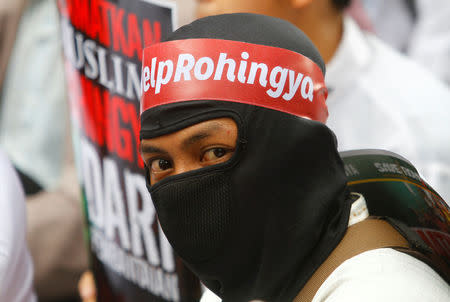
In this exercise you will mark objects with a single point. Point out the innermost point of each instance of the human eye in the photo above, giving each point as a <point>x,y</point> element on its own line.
<point>160,165</point>
<point>217,154</point>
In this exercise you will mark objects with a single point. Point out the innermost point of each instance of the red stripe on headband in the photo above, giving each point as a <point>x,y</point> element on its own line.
<point>212,69</point>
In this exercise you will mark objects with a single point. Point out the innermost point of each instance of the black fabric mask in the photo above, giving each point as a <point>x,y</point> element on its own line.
<point>258,225</point>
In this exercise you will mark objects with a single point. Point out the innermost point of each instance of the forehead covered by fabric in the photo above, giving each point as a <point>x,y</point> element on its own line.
<point>215,69</point>
<point>235,71</point>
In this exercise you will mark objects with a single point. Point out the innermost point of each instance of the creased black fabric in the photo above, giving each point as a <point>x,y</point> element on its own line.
<point>257,226</point>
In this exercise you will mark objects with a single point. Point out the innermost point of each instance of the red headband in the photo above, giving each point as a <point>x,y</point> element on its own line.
<point>212,69</point>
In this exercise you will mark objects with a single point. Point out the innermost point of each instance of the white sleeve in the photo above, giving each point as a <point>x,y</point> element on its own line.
<point>16,269</point>
<point>383,275</point>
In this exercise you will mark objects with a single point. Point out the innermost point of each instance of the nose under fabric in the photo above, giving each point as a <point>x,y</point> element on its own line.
<point>202,228</point>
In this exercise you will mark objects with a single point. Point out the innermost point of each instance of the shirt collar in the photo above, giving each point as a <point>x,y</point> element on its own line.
<point>358,211</point>
<point>352,55</point>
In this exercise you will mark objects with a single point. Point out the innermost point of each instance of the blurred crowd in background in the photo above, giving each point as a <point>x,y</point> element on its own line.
<point>35,134</point>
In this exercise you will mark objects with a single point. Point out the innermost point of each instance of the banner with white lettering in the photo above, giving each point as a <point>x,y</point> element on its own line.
<point>103,41</point>
<point>214,69</point>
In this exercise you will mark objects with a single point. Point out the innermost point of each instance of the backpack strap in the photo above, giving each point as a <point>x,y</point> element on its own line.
<point>363,236</point>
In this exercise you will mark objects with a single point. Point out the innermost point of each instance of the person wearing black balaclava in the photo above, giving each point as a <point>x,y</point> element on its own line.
<point>245,177</point>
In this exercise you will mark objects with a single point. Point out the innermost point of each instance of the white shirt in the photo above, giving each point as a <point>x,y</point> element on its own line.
<point>381,275</point>
<point>379,99</point>
<point>377,275</point>
<point>425,39</point>
<point>16,269</point>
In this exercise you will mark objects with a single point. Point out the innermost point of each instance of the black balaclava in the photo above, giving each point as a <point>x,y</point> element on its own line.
<point>260,224</point>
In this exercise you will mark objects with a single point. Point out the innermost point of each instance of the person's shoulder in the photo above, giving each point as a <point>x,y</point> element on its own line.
<point>16,269</point>
<point>383,275</point>
<point>12,213</point>
<point>12,208</point>
<point>11,192</point>
<point>6,168</point>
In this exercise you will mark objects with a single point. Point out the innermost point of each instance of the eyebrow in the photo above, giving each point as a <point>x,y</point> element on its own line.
<point>202,134</point>
<point>151,149</point>
<point>195,138</point>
